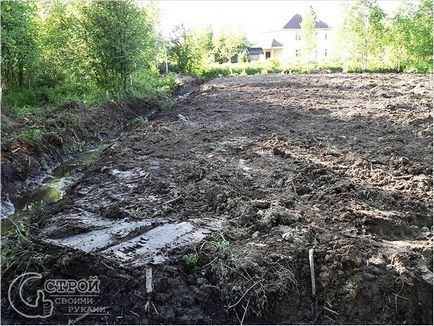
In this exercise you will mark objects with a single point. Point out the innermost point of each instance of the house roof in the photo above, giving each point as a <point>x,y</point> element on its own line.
<point>255,51</point>
<point>295,21</point>
<point>276,44</point>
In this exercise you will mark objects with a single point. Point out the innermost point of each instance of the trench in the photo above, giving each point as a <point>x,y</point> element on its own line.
<point>21,209</point>
<point>33,204</point>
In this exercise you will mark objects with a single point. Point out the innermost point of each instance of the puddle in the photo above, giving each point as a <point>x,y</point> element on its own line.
<point>51,190</point>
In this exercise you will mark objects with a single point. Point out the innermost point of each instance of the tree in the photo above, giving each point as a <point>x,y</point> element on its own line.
<point>62,41</point>
<point>308,36</point>
<point>409,35</point>
<point>364,31</point>
<point>398,34</point>
<point>228,44</point>
<point>190,50</point>
<point>421,40</point>
<point>118,37</point>
<point>204,40</point>
<point>182,50</point>
<point>19,28</point>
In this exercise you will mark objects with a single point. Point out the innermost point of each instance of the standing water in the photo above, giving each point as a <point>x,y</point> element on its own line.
<point>51,190</point>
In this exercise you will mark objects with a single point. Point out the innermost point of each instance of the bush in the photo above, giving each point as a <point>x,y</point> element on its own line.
<point>20,98</point>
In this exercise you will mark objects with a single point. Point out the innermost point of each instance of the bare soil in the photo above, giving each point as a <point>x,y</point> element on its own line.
<point>224,194</point>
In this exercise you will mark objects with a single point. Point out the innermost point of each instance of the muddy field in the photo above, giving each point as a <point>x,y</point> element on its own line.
<point>224,194</point>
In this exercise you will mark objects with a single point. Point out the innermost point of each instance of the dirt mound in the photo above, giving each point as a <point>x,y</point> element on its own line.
<point>224,195</point>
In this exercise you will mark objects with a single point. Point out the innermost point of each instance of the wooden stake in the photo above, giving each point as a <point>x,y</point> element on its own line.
<point>148,280</point>
<point>312,272</point>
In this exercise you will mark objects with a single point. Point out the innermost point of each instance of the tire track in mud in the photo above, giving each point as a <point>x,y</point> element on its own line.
<point>246,174</point>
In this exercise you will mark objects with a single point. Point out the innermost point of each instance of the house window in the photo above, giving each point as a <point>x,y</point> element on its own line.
<point>325,52</point>
<point>297,53</point>
<point>297,36</point>
<point>325,35</point>
<point>267,54</point>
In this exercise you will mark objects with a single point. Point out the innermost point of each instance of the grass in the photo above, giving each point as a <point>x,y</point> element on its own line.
<point>33,108</point>
<point>141,121</point>
<point>272,66</point>
<point>245,285</point>
<point>30,135</point>
<point>12,244</point>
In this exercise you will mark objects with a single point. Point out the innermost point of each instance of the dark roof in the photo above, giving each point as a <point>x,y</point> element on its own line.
<point>321,24</point>
<point>295,21</point>
<point>255,51</point>
<point>276,44</point>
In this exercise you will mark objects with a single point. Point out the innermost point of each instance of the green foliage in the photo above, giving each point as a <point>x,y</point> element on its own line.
<point>182,50</point>
<point>141,121</point>
<point>308,36</point>
<point>30,135</point>
<point>138,212</point>
<point>189,50</point>
<point>19,28</point>
<point>64,48</point>
<point>372,41</point>
<point>228,44</point>
<point>222,245</point>
<point>362,33</point>
<point>190,261</point>
<point>76,51</point>
<point>117,35</point>
<point>13,240</point>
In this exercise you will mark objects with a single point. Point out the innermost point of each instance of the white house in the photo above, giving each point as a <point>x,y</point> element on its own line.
<point>285,44</point>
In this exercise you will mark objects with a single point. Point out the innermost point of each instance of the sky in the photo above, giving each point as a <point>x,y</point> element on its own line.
<point>252,17</point>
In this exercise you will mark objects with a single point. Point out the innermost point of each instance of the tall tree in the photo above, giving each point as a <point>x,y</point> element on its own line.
<point>421,41</point>
<point>118,36</point>
<point>308,36</point>
<point>229,43</point>
<point>365,31</point>
<point>398,34</point>
<point>19,28</point>
<point>63,43</point>
<point>182,50</point>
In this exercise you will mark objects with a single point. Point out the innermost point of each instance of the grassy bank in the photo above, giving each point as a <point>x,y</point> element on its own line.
<point>26,112</point>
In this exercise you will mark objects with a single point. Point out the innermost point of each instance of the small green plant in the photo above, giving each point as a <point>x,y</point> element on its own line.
<point>30,135</point>
<point>141,121</point>
<point>190,261</point>
<point>221,246</point>
<point>138,212</point>
<point>13,241</point>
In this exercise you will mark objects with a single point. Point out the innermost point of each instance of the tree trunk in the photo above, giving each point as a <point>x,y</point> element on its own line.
<point>20,75</point>
<point>10,78</point>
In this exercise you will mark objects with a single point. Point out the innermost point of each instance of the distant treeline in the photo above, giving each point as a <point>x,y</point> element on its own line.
<point>53,51</point>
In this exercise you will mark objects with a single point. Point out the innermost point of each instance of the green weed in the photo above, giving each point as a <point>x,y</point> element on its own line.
<point>138,212</point>
<point>190,261</point>
<point>30,135</point>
